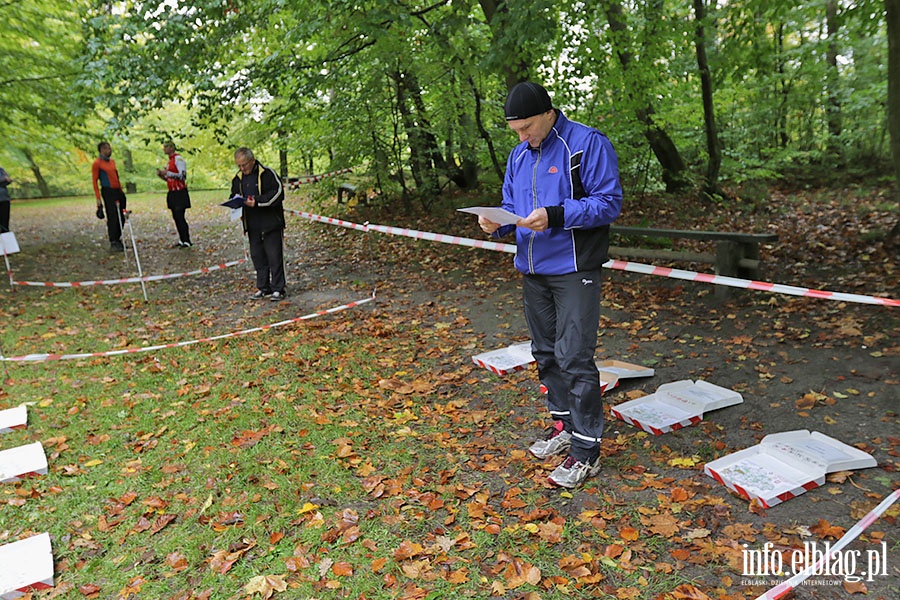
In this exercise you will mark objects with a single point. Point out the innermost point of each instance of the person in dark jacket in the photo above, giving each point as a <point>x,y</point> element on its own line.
<point>562,180</point>
<point>5,180</point>
<point>263,218</point>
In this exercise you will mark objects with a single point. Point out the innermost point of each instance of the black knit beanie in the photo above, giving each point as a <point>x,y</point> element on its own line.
<point>525,100</point>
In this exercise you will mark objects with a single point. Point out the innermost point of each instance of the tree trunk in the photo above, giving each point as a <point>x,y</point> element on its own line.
<point>833,108</point>
<point>39,178</point>
<point>709,114</point>
<point>128,167</point>
<point>283,164</point>
<point>665,150</point>
<point>498,168</point>
<point>417,159</point>
<point>893,35</point>
<point>781,89</point>
<point>437,163</point>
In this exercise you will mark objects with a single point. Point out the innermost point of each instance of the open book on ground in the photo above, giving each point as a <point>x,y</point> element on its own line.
<point>784,465</point>
<point>624,370</point>
<point>675,405</point>
<point>506,360</point>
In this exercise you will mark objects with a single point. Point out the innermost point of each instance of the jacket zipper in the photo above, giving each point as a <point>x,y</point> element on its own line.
<point>534,205</point>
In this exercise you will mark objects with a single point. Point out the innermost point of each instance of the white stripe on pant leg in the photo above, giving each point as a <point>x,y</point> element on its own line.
<point>586,438</point>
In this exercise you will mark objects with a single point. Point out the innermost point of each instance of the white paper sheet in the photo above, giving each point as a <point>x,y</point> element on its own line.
<point>9,243</point>
<point>492,213</point>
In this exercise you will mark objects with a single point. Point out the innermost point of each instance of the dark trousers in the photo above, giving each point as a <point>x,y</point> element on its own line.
<point>184,232</point>
<point>178,202</point>
<point>113,213</point>
<point>4,216</point>
<point>563,315</point>
<point>267,253</point>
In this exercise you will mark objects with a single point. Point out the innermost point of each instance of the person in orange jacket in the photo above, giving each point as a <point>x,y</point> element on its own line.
<point>109,194</point>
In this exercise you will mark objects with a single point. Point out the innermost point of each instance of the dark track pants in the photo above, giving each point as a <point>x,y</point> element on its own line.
<point>563,315</point>
<point>267,253</point>
<point>113,226</point>
<point>178,202</point>
<point>184,232</point>
<point>4,215</point>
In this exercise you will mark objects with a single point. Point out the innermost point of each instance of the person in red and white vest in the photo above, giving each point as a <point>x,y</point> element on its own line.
<point>178,199</point>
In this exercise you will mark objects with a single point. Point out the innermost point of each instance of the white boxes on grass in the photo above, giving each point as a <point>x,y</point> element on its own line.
<point>785,465</point>
<point>27,565</point>
<point>506,360</point>
<point>623,370</point>
<point>675,405</point>
<point>608,380</point>
<point>13,418</point>
<point>22,461</point>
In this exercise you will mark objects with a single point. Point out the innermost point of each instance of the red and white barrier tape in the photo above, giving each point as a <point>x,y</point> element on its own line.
<point>447,239</point>
<point>127,279</point>
<point>315,178</point>
<point>49,357</point>
<point>328,220</point>
<point>747,284</point>
<point>784,588</point>
<point>633,267</point>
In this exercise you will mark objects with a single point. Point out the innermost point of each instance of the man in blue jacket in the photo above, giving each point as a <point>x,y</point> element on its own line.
<point>562,180</point>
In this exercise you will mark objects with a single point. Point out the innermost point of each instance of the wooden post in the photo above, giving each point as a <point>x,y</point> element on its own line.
<point>728,257</point>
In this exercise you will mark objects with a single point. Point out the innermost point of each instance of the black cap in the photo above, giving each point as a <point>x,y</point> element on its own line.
<point>525,100</point>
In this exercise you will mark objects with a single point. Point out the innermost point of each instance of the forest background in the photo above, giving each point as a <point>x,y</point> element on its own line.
<point>718,97</point>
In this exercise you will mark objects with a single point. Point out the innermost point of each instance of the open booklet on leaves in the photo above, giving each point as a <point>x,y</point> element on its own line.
<point>784,465</point>
<point>675,405</point>
<point>506,360</point>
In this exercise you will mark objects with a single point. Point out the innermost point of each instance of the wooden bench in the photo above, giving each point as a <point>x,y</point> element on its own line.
<point>737,254</point>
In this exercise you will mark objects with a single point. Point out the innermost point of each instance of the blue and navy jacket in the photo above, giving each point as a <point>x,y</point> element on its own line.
<point>574,174</point>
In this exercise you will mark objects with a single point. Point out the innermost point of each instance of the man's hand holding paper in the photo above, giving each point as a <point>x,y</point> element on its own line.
<point>491,218</point>
<point>494,214</point>
<point>236,201</point>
